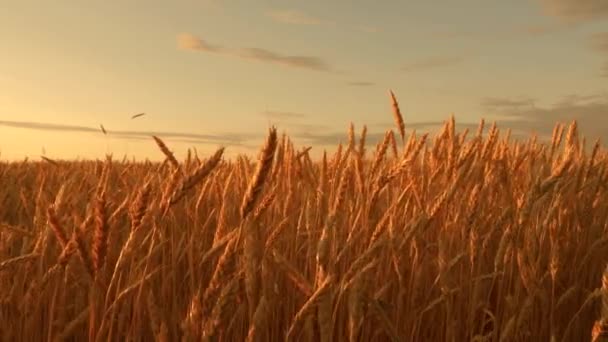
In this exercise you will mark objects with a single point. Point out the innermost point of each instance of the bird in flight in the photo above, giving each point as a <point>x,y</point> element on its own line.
<point>138,115</point>
<point>103,129</point>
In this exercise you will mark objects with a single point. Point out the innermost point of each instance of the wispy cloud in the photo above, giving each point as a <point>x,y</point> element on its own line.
<point>524,116</point>
<point>589,111</point>
<point>501,104</point>
<point>432,63</point>
<point>282,115</point>
<point>294,17</point>
<point>300,127</point>
<point>361,84</point>
<point>293,122</point>
<point>330,138</point>
<point>234,139</point>
<point>190,42</point>
<point>575,10</point>
<point>576,99</point>
<point>240,144</point>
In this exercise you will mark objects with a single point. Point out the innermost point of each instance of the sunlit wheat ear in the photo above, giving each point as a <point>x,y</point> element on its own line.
<point>60,198</point>
<point>223,213</point>
<point>362,141</point>
<point>380,153</point>
<point>397,116</point>
<point>138,209</point>
<point>393,144</point>
<point>340,195</point>
<point>103,179</point>
<point>195,177</point>
<point>214,323</point>
<point>592,158</point>
<point>252,244</point>
<point>165,150</point>
<point>170,187</point>
<point>296,277</point>
<point>351,137</point>
<point>266,202</point>
<point>67,252</point>
<point>572,139</point>
<point>100,243</point>
<point>482,124</point>
<point>188,159</point>
<point>277,166</point>
<point>264,165</point>
<point>310,305</point>
<point>82,247</point>
<point>56,226</point>
<point>223,269</point>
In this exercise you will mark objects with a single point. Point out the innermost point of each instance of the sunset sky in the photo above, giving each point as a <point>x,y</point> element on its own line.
<point>219,73</point>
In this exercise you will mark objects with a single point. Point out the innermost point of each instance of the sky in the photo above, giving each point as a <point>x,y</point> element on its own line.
<point>211,73</point>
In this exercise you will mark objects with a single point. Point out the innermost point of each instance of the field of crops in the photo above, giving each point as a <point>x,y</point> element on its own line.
<point>459,236</point>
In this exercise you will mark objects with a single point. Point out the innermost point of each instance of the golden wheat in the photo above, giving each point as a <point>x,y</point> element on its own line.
<point>450,238</point>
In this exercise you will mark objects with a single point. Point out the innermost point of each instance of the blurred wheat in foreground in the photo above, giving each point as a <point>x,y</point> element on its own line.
<point>451,238</point>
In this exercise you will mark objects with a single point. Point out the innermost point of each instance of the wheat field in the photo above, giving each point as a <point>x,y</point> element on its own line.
<point>453,237</point>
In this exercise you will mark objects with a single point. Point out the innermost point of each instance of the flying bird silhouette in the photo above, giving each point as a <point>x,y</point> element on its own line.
<point>138,115</point>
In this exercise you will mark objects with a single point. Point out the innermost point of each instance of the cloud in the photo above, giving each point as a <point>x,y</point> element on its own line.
<point>589,111</point>
<point>186,41</point>
<point>47,126</point>
<point>291,121</point>
<point>302,127</point>
<point>361,84</point>
<point>263,55</point>
<point>294,17</point>
<point>233,139</point>
<point>330,138</point>
<point>573,99</point>
<point>501,104</point>
<point>240,143</point>
<point>190,42</point>
<point>575,10</point>
<point>523,116</point>
<point>376,132</point>
<point>282,115</point>
<point>432,63</point>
